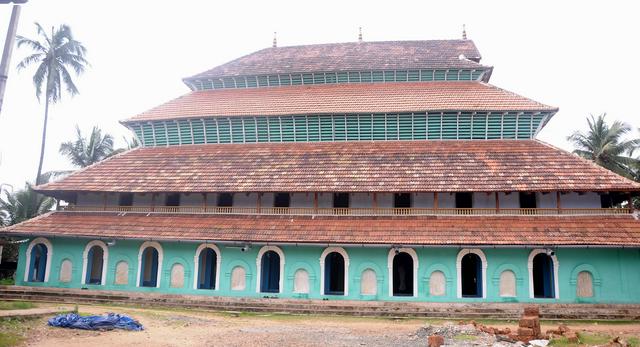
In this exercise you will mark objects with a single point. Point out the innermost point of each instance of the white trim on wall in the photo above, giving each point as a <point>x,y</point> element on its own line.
<point>85,260</point>
<point>144,246</point>
<point>391,256</point>
<point>346,267</point>
<point>261,252</point>
<point>47,268</point>
<point>556,265</point>
<point>196,262</point>
<point>483,258</point>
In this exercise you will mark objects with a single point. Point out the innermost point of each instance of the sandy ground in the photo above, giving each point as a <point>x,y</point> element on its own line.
<point>194,328</point>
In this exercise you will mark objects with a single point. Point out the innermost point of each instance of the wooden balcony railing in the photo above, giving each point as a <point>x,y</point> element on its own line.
<point>310,211</point>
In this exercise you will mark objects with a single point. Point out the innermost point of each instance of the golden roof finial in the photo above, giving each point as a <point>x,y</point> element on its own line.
<point>275,40</point>
<point>464,32</point>
<point>359,34</point>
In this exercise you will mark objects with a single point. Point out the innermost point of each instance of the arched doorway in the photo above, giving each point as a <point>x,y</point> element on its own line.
<point>207,267</point>
<point>270,272</point>
<point>149,268</point>
<point>334,274</point>
<point>95,264</point>
<point>38,267</point>
<point>471,275</point>
<point>402,274</point>
<point>543,272</point>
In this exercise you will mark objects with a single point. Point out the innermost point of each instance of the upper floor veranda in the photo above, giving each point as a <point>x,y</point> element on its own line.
<point>357,204</point>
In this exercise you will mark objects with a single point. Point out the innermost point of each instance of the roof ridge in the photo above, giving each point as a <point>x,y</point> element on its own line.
<point>518,95</point>
<point>592,163</point>
<point>34,219</point>
<point>76,172</point>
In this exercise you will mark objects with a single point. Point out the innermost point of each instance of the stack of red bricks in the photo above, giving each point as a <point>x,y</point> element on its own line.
<point>529,325</point>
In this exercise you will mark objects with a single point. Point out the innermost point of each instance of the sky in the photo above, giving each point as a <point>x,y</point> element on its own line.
<point>578,56</point>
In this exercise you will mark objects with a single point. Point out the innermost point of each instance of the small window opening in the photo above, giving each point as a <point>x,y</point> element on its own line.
<point>225,200</point>
<point>173,199</point>
<point>341,200</point>
<point>606,200</point>
<point>125,199</point>
<point>528,200</point>
<point>282,200</point>
<point>402,200</point>
<point>464,200</point>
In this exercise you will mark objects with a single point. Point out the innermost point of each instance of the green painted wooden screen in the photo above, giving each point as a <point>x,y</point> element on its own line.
<point>369,127</point>
<point>338,77</point>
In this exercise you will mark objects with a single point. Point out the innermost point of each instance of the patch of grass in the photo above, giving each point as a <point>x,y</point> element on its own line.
<point>465,337</point>
<point>562,342</point>
<point>16,305</point>
<point>593,339</point>
<point>13,331</point>
<point>7,282</point>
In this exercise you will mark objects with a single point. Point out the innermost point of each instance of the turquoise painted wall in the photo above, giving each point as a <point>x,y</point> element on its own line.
<point>616,272</point>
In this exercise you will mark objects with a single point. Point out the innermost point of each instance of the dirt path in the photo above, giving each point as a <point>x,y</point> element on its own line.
<point>193,328</point>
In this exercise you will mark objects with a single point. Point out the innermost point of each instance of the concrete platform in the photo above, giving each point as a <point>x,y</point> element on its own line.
<point>329,307</point>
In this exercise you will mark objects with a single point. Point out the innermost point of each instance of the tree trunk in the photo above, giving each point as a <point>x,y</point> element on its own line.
<point>44,138</point>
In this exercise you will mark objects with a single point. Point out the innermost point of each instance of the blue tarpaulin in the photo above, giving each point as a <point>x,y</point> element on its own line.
<point>106,322</point>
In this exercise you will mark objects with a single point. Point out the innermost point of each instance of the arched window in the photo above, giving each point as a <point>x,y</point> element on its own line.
<point>238,278</point>
<point>122,273</point>
<point>472,273</point>
<point>403,272</point>
<point>334,264</point>
<point>301,281</point>
<point>507,283</point>
<point>150,264</point>
<point>38,260</point>
<point>94,264</point>
<point>543,274</point>
<point>207,267</point>
<point>270,265</point>
<point>584,285</point>
<point>176,280</point>
<point>368,282</point>
<point>437,284</point>
<point>66,271</point>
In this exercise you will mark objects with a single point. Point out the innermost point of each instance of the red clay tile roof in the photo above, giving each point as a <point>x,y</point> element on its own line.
<point>400,166</point>
<point>344,99</point>
<point>351,56</point>
<point>440,230</point>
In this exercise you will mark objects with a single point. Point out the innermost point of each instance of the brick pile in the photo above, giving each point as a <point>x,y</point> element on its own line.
<point>529,325</point>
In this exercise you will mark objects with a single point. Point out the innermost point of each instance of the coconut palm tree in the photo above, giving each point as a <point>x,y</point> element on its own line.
<point>23,204</point>
<point>20,205</point>
<point>53,55</point>
<point>86,151</point>
<point>605,145</point>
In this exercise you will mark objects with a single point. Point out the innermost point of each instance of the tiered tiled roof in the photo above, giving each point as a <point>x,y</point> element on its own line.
<point>436,231</point>
<point>383,166</point>
<point>351,56</point>
<point>360,98</point>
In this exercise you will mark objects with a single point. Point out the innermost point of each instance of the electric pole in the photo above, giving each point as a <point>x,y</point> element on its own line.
<point>8,45</point>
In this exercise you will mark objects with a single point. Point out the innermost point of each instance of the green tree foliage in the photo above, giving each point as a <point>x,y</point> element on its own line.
<point>606,145</point>
<point>21,205</point>
<point>53,56</point>
<point>84,151</point>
